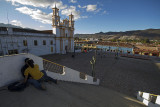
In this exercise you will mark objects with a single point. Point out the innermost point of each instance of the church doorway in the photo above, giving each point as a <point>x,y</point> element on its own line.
<point>51,49</point>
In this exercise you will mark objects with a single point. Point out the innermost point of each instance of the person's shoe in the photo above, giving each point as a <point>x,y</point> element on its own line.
<point>43,87</point>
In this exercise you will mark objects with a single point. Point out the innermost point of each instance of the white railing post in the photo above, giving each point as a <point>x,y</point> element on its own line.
<point>63,71</point>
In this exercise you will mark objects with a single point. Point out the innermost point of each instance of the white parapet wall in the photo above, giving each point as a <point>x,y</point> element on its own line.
<point>10,67</point>
<point>148,99</point>
<point>10,70</point>
<point>72,76</point>
<point>79,50</point>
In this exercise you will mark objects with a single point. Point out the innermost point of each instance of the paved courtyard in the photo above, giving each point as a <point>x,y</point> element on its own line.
<point>124,75</point>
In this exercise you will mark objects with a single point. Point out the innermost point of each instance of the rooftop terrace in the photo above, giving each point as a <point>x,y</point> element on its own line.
<point>120,81</point>
<point>67,94</point>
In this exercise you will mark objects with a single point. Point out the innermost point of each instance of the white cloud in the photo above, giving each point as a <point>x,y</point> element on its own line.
<point>82,6</point>
<point>84,17</point>
<point>71,9</point>
<point>39,3</point>
<point>16,23</point>
<point>41,26</point>
<point>104,12</point>
<point>79,6</point>
<point>98,10</point>
<point>59,5</point>
<point>36,14</point>
<point>91,8</point>
<point>73,1</point>
<point>15,4</point>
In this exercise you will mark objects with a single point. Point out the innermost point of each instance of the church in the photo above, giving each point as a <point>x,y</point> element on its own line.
<point>58,40</point>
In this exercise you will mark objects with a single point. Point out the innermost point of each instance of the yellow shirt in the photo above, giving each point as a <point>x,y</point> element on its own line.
<point>34,72</point>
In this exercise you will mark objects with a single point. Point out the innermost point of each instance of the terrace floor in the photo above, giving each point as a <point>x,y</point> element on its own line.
<point>67,94</point>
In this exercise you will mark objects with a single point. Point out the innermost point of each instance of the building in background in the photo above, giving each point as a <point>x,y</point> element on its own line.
<point>64,32</point>
<point>58,40</point>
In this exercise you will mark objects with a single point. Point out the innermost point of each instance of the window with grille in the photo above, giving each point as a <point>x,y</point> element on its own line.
<point>51,42</point>
<point>25,42</point>
<point>35,43</point>
<point>44,42</point>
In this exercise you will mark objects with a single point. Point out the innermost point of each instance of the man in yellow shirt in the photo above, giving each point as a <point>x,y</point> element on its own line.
<point>37,75</point>
<point>34,72</point>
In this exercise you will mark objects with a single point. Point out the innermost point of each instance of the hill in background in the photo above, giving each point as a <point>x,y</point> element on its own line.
<point>12,26</point>
<point>152,34</point>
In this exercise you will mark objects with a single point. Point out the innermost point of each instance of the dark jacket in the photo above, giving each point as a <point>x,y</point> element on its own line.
<point>23,69</point>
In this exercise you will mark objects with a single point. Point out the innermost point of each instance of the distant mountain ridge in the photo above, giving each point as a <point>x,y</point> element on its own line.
<point>12,26</point>
<point>152,34</point>
<point>9,25</point>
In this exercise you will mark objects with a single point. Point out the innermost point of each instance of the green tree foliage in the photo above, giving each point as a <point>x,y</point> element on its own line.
<point>146,40</point>
<point>113,40</point>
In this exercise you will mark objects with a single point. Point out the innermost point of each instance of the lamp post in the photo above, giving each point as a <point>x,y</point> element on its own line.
<point>95,53</point>
<point>74,50</point>
<point>92,62</point>
<point>116,56</point>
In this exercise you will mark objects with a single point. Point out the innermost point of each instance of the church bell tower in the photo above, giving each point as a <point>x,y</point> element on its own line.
<point>55,20</point>
<point>71,21</point>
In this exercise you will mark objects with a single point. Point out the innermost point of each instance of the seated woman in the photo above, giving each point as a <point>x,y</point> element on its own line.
<point>37,75</point>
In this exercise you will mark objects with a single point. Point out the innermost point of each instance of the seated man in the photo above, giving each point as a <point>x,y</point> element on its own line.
<point>37,75</point>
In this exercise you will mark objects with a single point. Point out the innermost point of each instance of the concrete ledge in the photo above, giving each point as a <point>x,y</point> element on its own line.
<point>146,98</point>
<point>73,76</point>
<point>10,70</point>
<point>10,67</point>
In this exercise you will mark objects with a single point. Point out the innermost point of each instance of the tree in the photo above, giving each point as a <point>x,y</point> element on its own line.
<point>113,40</point>
<point>146,40</point>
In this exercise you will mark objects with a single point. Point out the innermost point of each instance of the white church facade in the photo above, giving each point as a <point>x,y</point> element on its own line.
<point>58,40</point>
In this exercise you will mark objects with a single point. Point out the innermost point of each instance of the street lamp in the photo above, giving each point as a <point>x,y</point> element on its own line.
<point>93,62</point>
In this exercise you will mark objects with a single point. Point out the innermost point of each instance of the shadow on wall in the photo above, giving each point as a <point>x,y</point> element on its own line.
<point>10,70</point>
<point>10,67</point>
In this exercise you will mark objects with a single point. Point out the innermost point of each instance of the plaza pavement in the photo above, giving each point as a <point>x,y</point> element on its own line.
<point>125,75</point>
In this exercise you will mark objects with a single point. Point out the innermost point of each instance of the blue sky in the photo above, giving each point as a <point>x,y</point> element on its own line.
<point>91,16</point>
